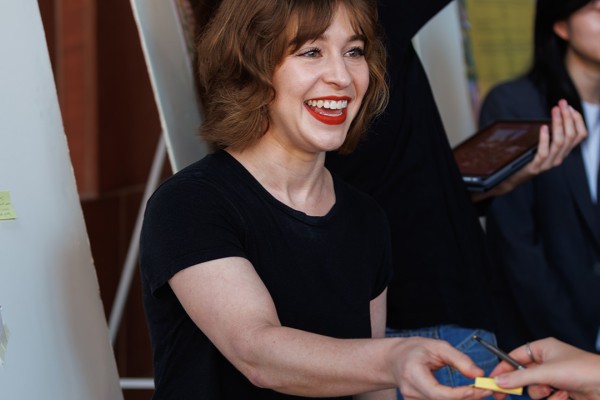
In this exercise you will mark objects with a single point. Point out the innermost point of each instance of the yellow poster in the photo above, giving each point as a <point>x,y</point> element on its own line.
<point>500,37</point>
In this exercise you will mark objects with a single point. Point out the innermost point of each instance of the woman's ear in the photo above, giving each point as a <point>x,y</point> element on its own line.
<point>561,30</point>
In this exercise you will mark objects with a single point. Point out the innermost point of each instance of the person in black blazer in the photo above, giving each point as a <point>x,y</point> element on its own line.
<point>545,235</point>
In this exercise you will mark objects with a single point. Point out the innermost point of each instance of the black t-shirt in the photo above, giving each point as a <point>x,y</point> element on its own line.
<point>406,163</point>
<point>322,272</point>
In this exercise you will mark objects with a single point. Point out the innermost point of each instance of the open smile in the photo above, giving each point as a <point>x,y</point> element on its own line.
<point>330,110</point>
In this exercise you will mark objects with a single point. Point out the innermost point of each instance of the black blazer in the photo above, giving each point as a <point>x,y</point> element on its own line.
<point>545,240</point>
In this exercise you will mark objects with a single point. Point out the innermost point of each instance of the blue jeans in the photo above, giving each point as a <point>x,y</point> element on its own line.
<point>460,338</point>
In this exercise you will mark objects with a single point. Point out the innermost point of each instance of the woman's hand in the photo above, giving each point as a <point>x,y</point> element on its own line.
<point>568,130</point>
<point>417,358</point>
<point>552,364</point>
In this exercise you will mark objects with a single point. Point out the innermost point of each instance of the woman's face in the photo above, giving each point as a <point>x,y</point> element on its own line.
<point>582,32</point>
<point>319,90</point>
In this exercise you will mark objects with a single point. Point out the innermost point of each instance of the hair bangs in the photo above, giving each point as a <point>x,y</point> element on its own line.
<point>311,20</point>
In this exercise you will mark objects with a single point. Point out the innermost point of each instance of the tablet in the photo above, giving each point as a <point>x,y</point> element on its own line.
<point>497,151</point>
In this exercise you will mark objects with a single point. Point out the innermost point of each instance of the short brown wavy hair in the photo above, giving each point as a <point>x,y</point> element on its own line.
<point>244,42</point>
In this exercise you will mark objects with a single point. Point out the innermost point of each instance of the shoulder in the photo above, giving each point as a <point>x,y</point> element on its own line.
<point>514,99</point>
<point>522,86</point>
<point>201,181</point>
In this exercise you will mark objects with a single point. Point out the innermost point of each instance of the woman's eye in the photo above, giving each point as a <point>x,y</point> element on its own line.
<point>311,53</point>
<point>356,52</point>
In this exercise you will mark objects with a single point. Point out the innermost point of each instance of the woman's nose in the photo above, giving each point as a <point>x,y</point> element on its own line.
<point>337,72</point>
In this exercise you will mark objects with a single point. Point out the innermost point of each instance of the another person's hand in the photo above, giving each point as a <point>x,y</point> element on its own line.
<point>552,364</point>
<point>419,357</point>
<point>568,130</point>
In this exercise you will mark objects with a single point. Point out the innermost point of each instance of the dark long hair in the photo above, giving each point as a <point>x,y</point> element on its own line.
<point>549,72</point>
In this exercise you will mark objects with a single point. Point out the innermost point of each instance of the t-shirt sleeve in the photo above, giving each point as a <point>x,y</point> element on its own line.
<point>186,223</point>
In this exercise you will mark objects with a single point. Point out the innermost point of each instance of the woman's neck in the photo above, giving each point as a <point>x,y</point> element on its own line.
<point>586,77</point>
<point>300,182</point>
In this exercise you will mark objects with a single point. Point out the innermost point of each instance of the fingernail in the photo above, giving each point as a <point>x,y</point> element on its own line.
<point>501,380</point>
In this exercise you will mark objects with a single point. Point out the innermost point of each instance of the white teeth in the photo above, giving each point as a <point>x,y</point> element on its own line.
<point>330,104</point>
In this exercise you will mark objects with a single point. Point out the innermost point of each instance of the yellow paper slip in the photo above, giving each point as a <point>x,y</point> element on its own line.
<point>489,383</point>
<point>6,208</point>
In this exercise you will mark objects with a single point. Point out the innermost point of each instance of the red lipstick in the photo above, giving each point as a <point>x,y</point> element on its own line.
<point>329,116</point>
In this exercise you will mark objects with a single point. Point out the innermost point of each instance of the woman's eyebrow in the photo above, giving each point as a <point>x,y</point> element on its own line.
<point>357,36</point>
<point>353,38</point>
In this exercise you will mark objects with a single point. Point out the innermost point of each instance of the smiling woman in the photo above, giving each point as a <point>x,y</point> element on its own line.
<point>264,275</point>
<point>236,104</point>
<point>329,70</point>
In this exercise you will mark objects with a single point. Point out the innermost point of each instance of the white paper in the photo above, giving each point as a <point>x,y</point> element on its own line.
<point>3,339</point>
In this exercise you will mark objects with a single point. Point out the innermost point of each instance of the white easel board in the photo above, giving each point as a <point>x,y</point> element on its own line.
<point>440,47</point>
<point>56,344</point>
<point>170,68</point>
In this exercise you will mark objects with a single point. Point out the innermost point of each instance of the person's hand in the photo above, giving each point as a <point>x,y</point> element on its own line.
<point>415,362</point>
<point>552,364</point>
<point>568,130</point>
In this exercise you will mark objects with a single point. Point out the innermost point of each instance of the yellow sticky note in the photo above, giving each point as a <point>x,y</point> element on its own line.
<point>490,384</point>
<point>7,211</point>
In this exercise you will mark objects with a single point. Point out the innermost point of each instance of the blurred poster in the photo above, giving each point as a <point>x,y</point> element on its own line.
<point>498,38</point>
